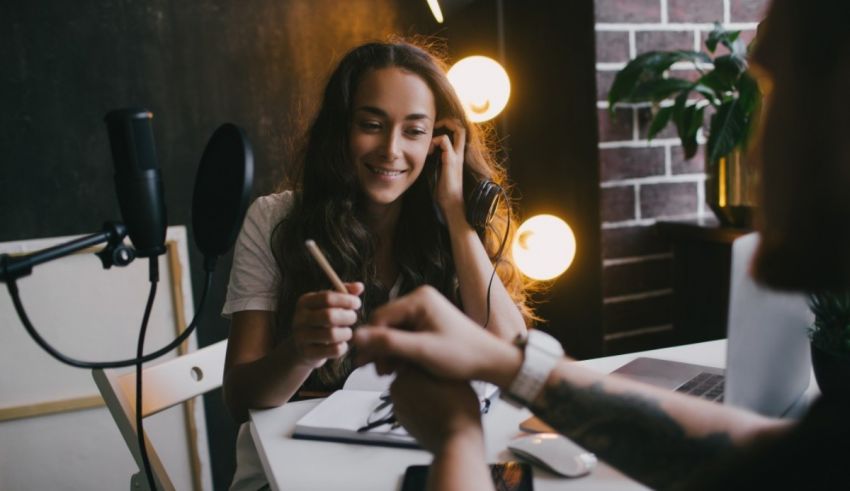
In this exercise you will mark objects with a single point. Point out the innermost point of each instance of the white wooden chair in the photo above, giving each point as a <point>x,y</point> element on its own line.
<point>165,385</point>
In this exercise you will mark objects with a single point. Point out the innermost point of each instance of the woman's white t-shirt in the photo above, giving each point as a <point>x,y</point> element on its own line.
<point>254,283</point>
<point>254,276</point>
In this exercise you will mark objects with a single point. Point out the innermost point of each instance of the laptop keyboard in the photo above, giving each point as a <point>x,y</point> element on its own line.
<point>705,385</point>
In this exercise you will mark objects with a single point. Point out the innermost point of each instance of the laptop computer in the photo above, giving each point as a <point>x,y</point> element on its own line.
<point>768,363</point>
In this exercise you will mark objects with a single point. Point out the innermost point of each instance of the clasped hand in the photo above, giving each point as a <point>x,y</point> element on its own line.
<point>425,329</point>
<point>434,350</point>
<point>434,410</point>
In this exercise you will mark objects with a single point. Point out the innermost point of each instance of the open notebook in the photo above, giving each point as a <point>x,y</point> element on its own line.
<point>362,400</point>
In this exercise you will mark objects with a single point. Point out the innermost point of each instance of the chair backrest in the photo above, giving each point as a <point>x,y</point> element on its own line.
<point>164,385</point>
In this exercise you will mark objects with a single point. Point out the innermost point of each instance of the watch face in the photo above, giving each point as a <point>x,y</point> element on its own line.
<point>545,342</point>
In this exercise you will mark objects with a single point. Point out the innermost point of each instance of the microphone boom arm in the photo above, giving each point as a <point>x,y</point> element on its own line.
<point>116,253</point>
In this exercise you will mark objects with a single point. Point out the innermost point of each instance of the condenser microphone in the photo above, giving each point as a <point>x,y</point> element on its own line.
<point>137,179</point>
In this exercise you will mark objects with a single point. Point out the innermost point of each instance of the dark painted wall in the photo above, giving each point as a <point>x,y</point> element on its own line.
<point>548,135</point>
<point>194,64</point>
<point>553,154</point>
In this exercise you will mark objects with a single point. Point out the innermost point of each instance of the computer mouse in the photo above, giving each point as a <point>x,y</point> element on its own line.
<point>554,452</point>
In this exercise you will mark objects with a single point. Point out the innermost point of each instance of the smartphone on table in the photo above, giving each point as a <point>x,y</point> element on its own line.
<point>507,476</point>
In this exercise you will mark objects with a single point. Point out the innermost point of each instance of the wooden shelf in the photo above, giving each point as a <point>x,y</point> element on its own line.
<point>701,230</point>
<point>702,255</point>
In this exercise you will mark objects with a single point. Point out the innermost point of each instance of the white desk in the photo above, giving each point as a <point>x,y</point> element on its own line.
<point>292,464</point>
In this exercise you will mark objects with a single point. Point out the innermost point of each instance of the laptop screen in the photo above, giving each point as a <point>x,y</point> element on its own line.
<point>768,361</point>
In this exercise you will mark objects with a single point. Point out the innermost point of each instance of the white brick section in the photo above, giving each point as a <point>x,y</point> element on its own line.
<point>656,142</point>
<point>637,201</point>
<point>646,222</point>
<point>675,26</point>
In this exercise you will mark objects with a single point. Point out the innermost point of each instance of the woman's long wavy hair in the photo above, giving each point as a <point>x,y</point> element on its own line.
<point>328,204</point>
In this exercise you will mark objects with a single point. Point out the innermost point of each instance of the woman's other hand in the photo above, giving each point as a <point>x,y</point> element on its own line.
<point>448,192</point>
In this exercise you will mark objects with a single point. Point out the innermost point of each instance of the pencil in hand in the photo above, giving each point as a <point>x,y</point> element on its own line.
<point>325,265</point>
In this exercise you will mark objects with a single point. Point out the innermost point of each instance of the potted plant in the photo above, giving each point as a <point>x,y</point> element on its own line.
<point>725,86</point>
<point>830,336</point>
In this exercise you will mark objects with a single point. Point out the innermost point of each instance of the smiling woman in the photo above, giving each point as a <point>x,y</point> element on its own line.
<point>387,167</point>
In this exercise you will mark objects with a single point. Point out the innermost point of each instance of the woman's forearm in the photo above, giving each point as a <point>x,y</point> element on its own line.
<point>460,465</point>
<point>655,436</point>
<point>267,382</point>
<point>474,271</point>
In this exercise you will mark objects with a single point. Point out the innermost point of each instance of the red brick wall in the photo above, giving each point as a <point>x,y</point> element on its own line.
<point>642,181</point>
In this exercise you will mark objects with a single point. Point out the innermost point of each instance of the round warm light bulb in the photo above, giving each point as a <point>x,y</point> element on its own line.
<point>544,247</point>
<point>482,85</point>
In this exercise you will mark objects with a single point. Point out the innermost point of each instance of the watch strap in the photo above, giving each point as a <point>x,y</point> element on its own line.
<point>541,353</point>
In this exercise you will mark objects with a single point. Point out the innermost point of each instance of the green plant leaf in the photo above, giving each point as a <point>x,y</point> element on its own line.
<point>678,109</point>
<point>662,117</point>
<point>644,68</point>
<point>690,123</point>
<point>722,36</point>
<point>659,89</point>
<point>709,93</point>
<point>728,69</point>
<point>697,120</point>
<point>750,100</point>
<point>831,328</point>
<point>714,37</point>
<point>739,48</point>
<point>688,119</point>
<point>717,83</point>
<point>740,61</point>
<point>748,93</point>
<point>726,130</point>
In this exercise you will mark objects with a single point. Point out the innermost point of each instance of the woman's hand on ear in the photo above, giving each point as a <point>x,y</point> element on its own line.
<point>449,189</point>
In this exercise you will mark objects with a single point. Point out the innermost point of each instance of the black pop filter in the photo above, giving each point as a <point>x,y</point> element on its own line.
<point>222,191</point>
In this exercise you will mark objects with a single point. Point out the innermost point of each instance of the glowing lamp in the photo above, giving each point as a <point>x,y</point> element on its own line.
<point>544,247</point>
<point>482,85</point>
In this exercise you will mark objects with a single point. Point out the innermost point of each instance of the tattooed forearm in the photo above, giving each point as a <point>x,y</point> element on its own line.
<point>629,431</point>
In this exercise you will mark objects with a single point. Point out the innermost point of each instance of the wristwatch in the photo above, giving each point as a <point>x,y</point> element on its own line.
<point>541,353</point>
